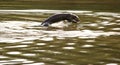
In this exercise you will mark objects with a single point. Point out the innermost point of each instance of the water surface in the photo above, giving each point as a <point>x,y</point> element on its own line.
<point>93,41</point>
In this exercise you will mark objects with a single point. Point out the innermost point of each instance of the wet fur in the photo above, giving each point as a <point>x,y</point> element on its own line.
<point>60,17</point>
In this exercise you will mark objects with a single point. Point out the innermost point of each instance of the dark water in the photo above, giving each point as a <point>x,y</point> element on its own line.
<point>96,5</point>
<point>95,40</point>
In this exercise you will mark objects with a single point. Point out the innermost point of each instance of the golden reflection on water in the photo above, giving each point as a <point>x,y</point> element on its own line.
<point>93,41</point>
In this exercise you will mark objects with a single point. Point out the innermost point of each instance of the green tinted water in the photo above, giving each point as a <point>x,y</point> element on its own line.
<point>93,41</point>
<point>96,5</point>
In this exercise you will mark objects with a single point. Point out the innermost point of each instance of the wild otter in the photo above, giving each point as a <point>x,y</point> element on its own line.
<point>60,17</point>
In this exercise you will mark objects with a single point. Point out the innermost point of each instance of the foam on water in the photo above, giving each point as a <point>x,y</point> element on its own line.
<point>16,31</point>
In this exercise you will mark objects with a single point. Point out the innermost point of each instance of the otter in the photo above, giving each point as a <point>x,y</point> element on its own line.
<point>60,17</point>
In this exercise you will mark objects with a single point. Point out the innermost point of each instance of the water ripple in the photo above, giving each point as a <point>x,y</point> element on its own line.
<point>93,41</point>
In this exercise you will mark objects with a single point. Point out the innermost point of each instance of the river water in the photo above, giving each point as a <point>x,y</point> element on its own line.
<point>95,40</point>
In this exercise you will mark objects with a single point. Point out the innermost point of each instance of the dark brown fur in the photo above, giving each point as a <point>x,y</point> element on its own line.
<point>60,17</point>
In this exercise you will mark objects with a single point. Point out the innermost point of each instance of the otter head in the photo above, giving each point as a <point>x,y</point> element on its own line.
<point>73,18</point>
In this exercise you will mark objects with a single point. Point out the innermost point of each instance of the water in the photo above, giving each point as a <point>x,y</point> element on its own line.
<point>106,5</point>
<point>93,41</point>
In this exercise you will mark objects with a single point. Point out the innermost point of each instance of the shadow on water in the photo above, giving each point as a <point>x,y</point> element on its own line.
<point>93,41</point>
